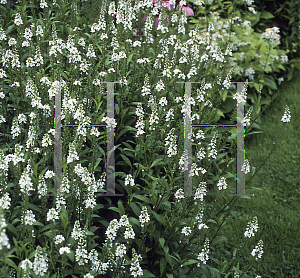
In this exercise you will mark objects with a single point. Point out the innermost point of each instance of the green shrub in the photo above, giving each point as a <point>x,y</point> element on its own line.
<point>165,235</point>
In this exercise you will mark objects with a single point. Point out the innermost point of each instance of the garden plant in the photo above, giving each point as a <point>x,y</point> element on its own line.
<point>154,230</point>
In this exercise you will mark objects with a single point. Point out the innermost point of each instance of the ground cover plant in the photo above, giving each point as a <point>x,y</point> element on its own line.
<point>154,231</point>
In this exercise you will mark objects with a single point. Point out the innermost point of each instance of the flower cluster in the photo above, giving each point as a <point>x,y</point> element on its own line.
<point>26,265</point>
<point>40,265</point>
<point>273,35</point>
<point>3,237</point>
<point>118,257</point>
<point>253,226</point>
<point>258,249</point>
<point>129,180</point>
<point>286,116</point>
<point>203,256</point>
<point>144,216</point>
<point>246,167</point>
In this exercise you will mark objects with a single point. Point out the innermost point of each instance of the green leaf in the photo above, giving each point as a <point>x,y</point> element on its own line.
<point>35,167</point>
<point>163,264</point>
<point>256,188</point>
<point>211,221</point>
<point>97,163</point>
<point>121,208</point>
<point>169,275</point>
<point>99,48</point>
<point>158,217</point>
<point>270,82</point>
<point>10,262</point>
<point>266,15</point>
<point>101,150</point>
<point>89,233</point>
<point>135,208</point>
<point>245,197</point>
<point>230,9</point>
<point>115,209</point>
<point>147,274</point>
<point>36,223</point>
<point>295,62</point>
<point>64,217</point>
<point>133,220</point>
<point>162,242</point>
<point>129,58</point>
<point>71,256</point>
<point>155,162</point>
<point>143,198</point>
<point>189,262</point>
<point>126,160</point>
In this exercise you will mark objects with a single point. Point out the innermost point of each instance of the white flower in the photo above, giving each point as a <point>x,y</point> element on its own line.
<point>40,265</point>
<point>28,34</point>
<point>59,239</point>
<point>26,264</point>
<point>163,101</point>
<point>88,275</point>
<point>179,194</point>
<point>280,80</point>
<point>52,214</point>
<point>135,268</point>
<point>77,233</point>
<point>144,216</point>
<point>121,251</point>
<point>246,120</point>
<point>201,153</point>
<point>43,4</point>
<point>212,147</point>
<point>203,256</point>
<point>221,183</point>
<point>259,249</point>
<point>12,41</point>
<point>251,227</point>
<point>171,142</point>
<point>5,201</point>
<point>140,123</point>
<point>186,231</point>
<point>241,97</point>
<point>18,20</point>
<point>3,237</point>
<point>129,233</point>
<point>29,218</point>
<point>81,255</point>
<point>111,122</point>
<point>111,231</point>
<point>246,167</point>
<point>63,250</point>
<point>201,191</point>
<point>25,183</point>
<point>129,180</point>
<point>160,86</point>
<point>287,116</point>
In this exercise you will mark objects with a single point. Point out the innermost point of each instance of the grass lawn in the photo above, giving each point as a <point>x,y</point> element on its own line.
<point>277,205</point>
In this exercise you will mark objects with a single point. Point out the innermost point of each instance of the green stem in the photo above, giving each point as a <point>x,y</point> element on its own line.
<point>233,261</point>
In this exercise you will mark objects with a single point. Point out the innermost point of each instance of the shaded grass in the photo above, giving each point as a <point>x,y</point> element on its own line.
<point>277,205</point>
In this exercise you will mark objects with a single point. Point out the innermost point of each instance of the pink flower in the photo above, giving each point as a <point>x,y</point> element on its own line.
<point>187,10</point>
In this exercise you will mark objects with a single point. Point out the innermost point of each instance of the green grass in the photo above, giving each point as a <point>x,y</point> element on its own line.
<point>277,205</point>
